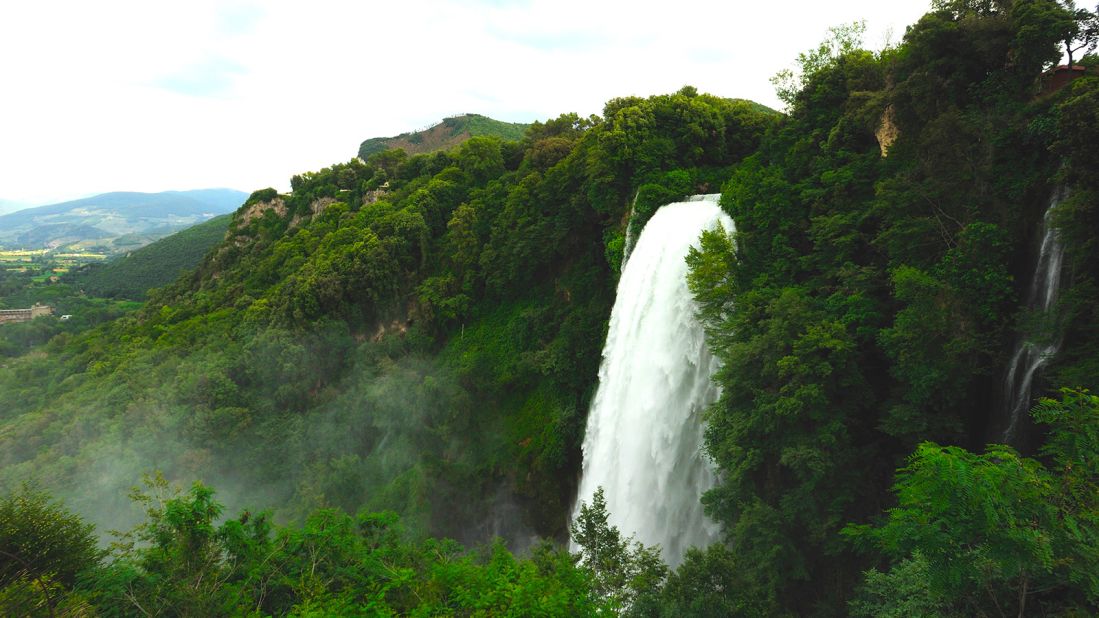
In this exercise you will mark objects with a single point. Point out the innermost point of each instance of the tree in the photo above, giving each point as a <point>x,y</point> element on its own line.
<point>481,158</point>
<point>996,533</point>
<point>1084,35</point>
<point>44,548</point>
<point>710,582</point>
<point>960,8</point>
<point>623,569</point>
<point>177,552</point>
<point>841,40</point>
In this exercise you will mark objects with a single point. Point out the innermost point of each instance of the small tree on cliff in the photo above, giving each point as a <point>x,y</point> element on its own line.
<point>1085,31</point>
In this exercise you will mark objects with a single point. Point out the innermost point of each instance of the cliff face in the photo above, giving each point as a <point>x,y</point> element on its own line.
<point>1060,77</point>
<point>887,132</point>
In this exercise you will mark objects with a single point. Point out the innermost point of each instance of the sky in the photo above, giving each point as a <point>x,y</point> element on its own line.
<point>154,96</point>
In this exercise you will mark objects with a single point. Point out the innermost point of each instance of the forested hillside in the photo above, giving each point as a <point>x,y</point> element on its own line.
<point>481,275</point>
<point>871,302</point>
<point>152,266</point>
<point>405,348</point>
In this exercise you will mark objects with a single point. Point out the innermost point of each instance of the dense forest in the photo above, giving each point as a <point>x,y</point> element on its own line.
<point>402,350</point>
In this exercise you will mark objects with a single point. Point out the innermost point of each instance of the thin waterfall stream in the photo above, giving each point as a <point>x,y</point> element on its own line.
<point>1029,355</point>
<point>627,245</point>
<point>644,439</point>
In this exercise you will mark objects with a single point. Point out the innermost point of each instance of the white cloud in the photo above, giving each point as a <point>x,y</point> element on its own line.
<point>150,96</point>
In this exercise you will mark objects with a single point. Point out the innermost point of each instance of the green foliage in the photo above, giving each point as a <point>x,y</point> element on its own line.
<point>670,187</point>
<point>624,571</point>
<point>182,562</point>
<point>481,159</point>
<point>1077,128</point>
<point>867,303</point>
<point>175,555</point>
<point>40,537</point>
<point>23,289</point>
<point>996,532</point>
<point>1084,34</point>
<point>44,550</point>
<point>420,333</point>
<point>417,333</point>
<point>447,134</point>
<point>951,320</point>
<point>154,265</point>
<point>710,582</point>
<point>992,506</point>
<point>842,40</point>
<point>260,196</point>
<point>905,590</point>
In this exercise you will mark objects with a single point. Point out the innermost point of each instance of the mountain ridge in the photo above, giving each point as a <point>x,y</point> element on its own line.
<point>447,133</point>
<point>136,217</point>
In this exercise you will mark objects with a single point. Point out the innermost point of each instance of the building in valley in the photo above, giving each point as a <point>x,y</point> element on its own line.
<point>24,315</point>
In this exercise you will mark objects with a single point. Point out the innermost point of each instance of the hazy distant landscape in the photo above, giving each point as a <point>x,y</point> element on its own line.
<point>113,222</point>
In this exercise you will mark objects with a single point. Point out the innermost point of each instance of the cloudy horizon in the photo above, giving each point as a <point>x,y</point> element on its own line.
<point>137,96</point>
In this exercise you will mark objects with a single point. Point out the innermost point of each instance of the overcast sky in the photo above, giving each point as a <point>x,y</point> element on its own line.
<point>150,96</point>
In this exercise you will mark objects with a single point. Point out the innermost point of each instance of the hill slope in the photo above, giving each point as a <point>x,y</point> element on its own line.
<point>447,134</point>
<point>152,266</point>
<point>474,282</point>
<point>117,222</point>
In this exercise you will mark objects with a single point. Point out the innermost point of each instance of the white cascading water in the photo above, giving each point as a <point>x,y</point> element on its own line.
<point>644,440</point>
<point>627,246</point>
<point>1029,356</point>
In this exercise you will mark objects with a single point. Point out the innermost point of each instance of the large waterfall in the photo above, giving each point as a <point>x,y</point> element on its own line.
<point>644,436</point>
<point>1029,355</point>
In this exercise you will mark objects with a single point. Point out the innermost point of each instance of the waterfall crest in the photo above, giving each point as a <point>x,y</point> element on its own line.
<point>1029,356</point>
<point>644,432</point>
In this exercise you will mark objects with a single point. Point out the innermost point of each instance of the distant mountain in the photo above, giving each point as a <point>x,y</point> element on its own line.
<point>60,234</point>
<point>114,222</point>
<point>156,265</point>
<point>447,134</point>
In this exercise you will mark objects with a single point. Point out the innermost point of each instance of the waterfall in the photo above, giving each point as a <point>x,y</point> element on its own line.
<point>630,240</point>
<point>627,246</point>
<point>1030,356</point>
<point>644,434</point>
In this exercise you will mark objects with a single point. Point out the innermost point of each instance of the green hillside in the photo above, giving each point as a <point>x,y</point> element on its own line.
<point>404,350</point>
<point>447,134</point>
<point>152,266</point>
<point>475,290</point>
